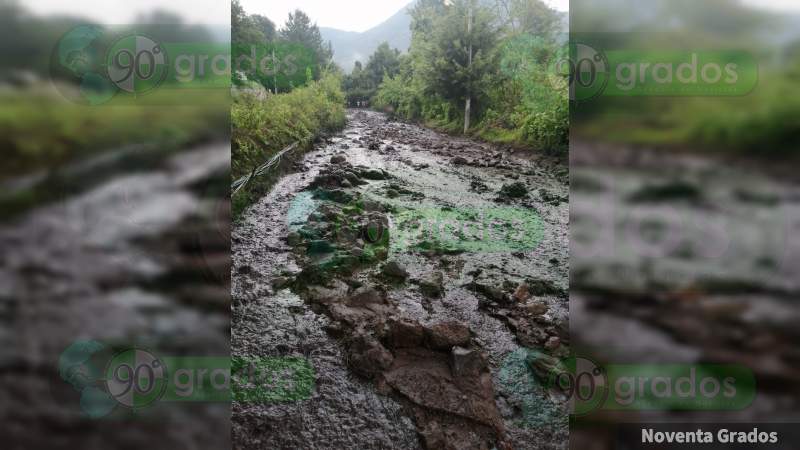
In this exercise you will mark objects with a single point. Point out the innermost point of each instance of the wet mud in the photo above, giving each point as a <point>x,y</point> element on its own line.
<point>424,277</point>
<point>137,258</point>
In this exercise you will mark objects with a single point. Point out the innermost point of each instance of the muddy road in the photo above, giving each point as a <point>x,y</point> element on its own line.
<point>138,257</point>
<point>679,258</point>
<point>423,277</point>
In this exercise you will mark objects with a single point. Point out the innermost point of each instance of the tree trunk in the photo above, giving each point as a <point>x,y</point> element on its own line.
<point>468,105</point>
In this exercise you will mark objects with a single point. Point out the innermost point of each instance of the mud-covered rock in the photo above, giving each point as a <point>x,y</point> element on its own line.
<point>373,174</point>
<point>466,362</point>
<point>425,378</point>
<point>446,335</point>
<point>544,287</point>
<point>366,295</point>
<point>432,285</point>
<point>514,190</point>
<point>368,357</point>
<point>393,269</point>
<point>405,334</point>
<point>522,293</point>
<point>493,293</point>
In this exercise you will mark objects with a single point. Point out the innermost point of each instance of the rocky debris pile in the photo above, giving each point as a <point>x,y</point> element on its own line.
<point>513,191</point>
<point>524,309</point>
<point>436,369</point>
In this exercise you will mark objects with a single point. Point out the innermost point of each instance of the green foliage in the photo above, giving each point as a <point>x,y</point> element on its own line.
<point>39,128</point>
<point>264,124</point>
<point>299,37</point>
<point>518,98</point>
<point>301,30</point>
<point>363,82</point>
<point>249,30</point>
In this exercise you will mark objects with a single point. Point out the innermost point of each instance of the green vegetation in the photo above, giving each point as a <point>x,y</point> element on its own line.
<point>758,124</point>
<point>503,64</point>
<point>256,30</point>
<point>45,137</point>
<point>362,83</point>
<point>40,129</point>
<point>264,123</point>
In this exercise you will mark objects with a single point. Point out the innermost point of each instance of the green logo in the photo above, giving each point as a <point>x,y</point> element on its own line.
<point>684,73</point>
<point>490,230</point>
<point>134,379</point>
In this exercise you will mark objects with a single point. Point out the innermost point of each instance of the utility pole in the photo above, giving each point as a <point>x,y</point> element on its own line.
<point>275,72</point>
<point>468,106</point>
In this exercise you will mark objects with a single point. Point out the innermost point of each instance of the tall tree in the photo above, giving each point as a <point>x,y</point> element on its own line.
<point>301,30</point>
<point>458,58</point>
<point>385,61</point>
<point>245,30</point>
<point>266,26</point>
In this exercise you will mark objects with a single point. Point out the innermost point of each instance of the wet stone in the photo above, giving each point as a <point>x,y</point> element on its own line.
<point>395,270</point>
<point>368,357</point>
<point>466,362</point>
<point>432,286</point>
<point>405,334</point>
<point>514,190</point>
<point>446,335</point>
<point>366,295</point>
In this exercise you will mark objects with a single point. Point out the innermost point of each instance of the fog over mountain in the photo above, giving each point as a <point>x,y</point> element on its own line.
<point>350,46</point>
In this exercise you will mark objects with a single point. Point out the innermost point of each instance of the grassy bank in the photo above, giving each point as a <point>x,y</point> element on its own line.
<point>39,129</point>
<point>263,124</point>
<point>43,133</point>
<point>760,124</point>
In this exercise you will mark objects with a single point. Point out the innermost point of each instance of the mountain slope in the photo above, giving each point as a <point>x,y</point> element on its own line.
<point>349,46</point>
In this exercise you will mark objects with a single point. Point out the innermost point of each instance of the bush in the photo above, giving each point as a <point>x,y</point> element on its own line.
<point>264,125</point>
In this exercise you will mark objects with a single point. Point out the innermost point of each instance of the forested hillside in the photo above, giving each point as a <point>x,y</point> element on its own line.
<point>502,60</point>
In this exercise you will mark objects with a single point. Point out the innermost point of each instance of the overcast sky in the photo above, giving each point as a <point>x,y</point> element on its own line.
<point>351,15</point>
<point>348,15</point>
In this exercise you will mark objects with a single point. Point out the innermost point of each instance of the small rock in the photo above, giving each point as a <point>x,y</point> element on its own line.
<point>244,270</point>
<point>368,357</point>
<point>406,334</point>
<point>459,161</point>
<point>395,270</point>
<point>536,308</point>
<point>446,335</point>
<point>491,292</point>
<point>366,295</point>
<point>338,159</point>
<point>281,282</point>
<point>432,286</point>
<point>552,343</point>
<point>373,174</point>
<point>466,363</point>
<point>522,294</point>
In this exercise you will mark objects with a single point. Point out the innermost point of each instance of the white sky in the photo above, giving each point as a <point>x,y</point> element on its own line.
<point>348,15</point>
<point>351,15</point>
